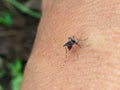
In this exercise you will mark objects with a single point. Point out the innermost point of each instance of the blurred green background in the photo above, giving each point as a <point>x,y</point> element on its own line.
<point>18,23</point>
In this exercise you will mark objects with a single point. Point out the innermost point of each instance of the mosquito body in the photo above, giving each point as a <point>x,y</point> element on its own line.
<point>70,43</point>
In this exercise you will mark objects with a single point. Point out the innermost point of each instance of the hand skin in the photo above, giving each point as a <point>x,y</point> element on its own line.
<point>94,66</point>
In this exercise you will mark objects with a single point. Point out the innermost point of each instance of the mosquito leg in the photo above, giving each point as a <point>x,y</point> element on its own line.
<point>77,41</point>
<point>66,51</point>
<point>84,39</point>
<point>79,45</point>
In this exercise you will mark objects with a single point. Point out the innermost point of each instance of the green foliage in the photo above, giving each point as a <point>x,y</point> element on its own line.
<point>23,9</point>
<point>16,73</point>
<point>1,87</point>
<point>16,82</point>
<point>15,67</point>
<point>2,72</point>
<point>5,19</point>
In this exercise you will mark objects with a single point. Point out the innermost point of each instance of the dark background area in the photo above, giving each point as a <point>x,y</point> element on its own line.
<point>18,27</point>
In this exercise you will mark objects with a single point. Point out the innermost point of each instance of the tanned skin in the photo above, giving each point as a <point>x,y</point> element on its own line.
<point>94,66</point>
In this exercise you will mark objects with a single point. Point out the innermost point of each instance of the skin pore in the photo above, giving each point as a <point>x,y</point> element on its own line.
<point>94,66</point>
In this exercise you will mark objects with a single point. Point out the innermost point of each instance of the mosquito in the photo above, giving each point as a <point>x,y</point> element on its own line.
<point>71,42</point>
